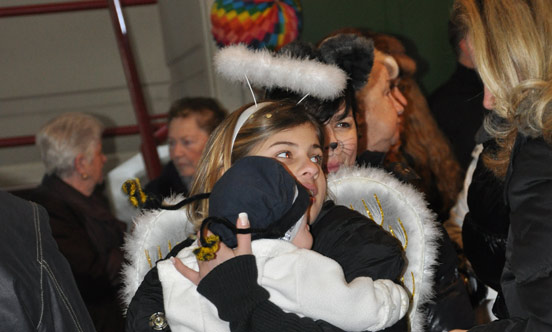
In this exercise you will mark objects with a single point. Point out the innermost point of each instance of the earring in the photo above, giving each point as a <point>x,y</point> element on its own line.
<point>84,176</point>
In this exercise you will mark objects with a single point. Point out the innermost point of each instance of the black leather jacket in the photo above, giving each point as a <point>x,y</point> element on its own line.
<point>38,292</point>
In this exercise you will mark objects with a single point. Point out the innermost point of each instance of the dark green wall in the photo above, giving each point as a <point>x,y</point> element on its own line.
<point>420,24</point>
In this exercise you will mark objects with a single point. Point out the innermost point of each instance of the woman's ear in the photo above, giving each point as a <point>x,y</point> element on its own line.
<point>466,53</point>
<point>81,164</point>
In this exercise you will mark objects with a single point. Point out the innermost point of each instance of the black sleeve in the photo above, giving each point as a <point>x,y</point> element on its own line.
<point>147,301</point>
<point>358,244</point>
<point>485,227</point>
<point>232,287</point>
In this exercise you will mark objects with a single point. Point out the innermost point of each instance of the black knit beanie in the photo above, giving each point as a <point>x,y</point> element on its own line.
<point>266,191</point>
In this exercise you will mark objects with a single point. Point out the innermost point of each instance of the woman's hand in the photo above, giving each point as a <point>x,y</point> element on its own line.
<point>458,330</point>
<point>223,254</point>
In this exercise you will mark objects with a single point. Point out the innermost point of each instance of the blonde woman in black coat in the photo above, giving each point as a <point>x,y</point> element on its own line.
<point>510,44</point>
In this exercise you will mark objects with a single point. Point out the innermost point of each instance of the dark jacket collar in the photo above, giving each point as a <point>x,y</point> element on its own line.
<point>371,158</point>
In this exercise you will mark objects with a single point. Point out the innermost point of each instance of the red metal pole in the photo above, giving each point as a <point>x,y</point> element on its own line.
<point>64,7</point>
<point>151,158</point>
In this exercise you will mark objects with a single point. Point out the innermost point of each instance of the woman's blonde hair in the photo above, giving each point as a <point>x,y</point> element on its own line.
<point>511,49</point>
<point>219,154</point>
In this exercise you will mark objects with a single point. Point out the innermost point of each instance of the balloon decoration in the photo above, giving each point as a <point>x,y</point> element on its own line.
<point>257,23</point>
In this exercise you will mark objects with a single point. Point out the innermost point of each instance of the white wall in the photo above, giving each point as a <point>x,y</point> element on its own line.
<point>55,63</point>
<point>189,49</point>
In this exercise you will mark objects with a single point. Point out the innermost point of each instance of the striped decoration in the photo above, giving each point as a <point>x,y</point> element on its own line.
<point>257,23</point>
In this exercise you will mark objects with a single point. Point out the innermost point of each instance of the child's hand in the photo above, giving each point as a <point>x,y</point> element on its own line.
<point>223,254</point>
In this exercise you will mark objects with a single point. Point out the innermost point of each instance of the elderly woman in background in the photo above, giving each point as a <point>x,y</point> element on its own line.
<point>87,234</point>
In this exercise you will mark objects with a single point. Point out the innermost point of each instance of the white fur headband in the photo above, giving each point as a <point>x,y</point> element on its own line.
<point>267,70</point>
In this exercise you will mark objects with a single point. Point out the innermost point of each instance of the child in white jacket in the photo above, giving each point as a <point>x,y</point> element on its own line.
<point>299,280</point>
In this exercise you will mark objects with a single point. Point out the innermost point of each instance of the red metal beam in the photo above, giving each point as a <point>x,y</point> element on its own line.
<point>9,142</point>
<point>159,116</point>
<point>161,133</point>
<point>65,7</point>
<point>127,130</point>
<point>108,132</point>
<point>149,150</point>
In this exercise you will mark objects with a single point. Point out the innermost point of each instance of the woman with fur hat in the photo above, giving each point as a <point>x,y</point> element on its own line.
<point>382,125</point>
<point>367,118</point>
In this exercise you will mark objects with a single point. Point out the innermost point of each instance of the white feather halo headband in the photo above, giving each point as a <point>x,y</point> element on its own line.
<point>267,70</point>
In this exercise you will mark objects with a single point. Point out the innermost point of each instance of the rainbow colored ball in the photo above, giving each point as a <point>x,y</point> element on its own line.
<point>257,23</point>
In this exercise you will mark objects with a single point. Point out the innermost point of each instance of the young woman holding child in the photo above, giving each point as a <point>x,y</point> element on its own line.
<point>277,207</point>
<point>284,131</point>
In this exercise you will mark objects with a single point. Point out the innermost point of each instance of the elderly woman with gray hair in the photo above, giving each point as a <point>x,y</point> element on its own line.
<point>87,234</point>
